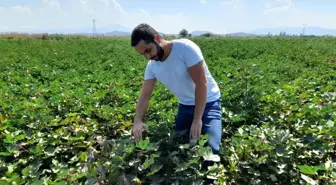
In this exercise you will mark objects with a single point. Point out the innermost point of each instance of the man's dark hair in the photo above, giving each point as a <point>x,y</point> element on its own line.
<point>143,32</point>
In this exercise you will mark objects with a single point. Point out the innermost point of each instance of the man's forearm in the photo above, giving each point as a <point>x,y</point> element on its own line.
<point>200,94</point>
<point>141,108</point>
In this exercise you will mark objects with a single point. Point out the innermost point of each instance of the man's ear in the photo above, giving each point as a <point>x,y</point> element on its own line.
<point>157,38</point>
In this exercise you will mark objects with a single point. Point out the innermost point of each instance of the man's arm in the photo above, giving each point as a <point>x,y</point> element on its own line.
<point>198,75</point>
<point>146,92</point>
<point>194,60</point>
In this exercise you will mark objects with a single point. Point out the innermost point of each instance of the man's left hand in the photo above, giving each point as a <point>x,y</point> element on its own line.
<point>196,129</point>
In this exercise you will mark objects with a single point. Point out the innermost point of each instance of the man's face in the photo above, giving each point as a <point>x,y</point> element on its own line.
<point>151,50</point>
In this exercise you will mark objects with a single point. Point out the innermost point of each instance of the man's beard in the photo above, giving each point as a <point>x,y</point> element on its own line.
<point>159,53</point>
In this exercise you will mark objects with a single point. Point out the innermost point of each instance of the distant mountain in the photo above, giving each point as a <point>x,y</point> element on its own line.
<point>236,34</point>
<point>99,30</point>
<point>240,34</point>
<point>117,33</point>
<point>120,30</point>
<point>121,33</point>
<point>199,33</point>
<point>109,30</point>
<point>116,29</point>
<point>317,31</point>
<point>113,28</point>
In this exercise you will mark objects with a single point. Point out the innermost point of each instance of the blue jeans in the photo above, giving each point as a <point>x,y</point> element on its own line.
<point>212,122</point>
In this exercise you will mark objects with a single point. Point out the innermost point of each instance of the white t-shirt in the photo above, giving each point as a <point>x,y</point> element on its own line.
<point>174,74</point>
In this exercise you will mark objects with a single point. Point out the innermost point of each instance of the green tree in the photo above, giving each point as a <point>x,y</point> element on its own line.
<point>183,33</point>
<point>206,35</point>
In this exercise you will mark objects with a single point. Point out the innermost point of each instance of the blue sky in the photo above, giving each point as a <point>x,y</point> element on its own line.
<point>169,16</point>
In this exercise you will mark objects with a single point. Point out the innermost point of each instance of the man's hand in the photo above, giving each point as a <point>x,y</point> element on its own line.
<point>196,129</point>
<point>138,127</point>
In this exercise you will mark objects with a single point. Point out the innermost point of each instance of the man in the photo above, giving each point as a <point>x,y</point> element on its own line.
<point>180,66</point>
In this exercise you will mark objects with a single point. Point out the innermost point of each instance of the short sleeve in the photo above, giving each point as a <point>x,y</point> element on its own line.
<point>192,53</point>
<point>149,74</point>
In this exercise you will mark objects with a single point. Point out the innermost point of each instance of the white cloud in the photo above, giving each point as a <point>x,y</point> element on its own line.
<point>4,28</point>
<point>287,15</point>
<point>16,9</point>
<point>53,14</point>
<point>167,23</point>
<point>298,18</point>
<point>204,1</point>
<point>56,14</point>
<point>51,7</point>
<point>237,16</point>
<point>230,3</point>
<point>16,17</point>
<point>117,5</point>
<point>227,2</point>
<point>144,12</point>
<point>82,12</point>
<point>21,9</point>
<point>276,6</point>
<point>52,3</point>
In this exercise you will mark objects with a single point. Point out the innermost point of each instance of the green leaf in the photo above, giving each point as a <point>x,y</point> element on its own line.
<point>142,144</point>
<point>25,171</point>
<point>17,179</point>
<point>330,123</point>
<point>5,154</point>
<point>334,175</point>
<point>295,108</point>
<point>148,163</point>
<point>83,156</point>
<point>154,170</point>
<point>309,170</point>
<point>204,138</point>
<point>10,170</point>
<point>61,183</point>
<point>3,127</point>
<point>37,182</point>
<point>9,139</point>
<point>51,150</point>
<point>333,133</point>
<point>77,176</point>
<point>146,145</point>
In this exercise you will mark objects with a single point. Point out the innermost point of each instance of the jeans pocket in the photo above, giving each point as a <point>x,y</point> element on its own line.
<point>214,112</point>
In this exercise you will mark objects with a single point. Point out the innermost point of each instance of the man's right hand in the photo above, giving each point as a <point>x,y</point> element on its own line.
<point>138,127</point>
